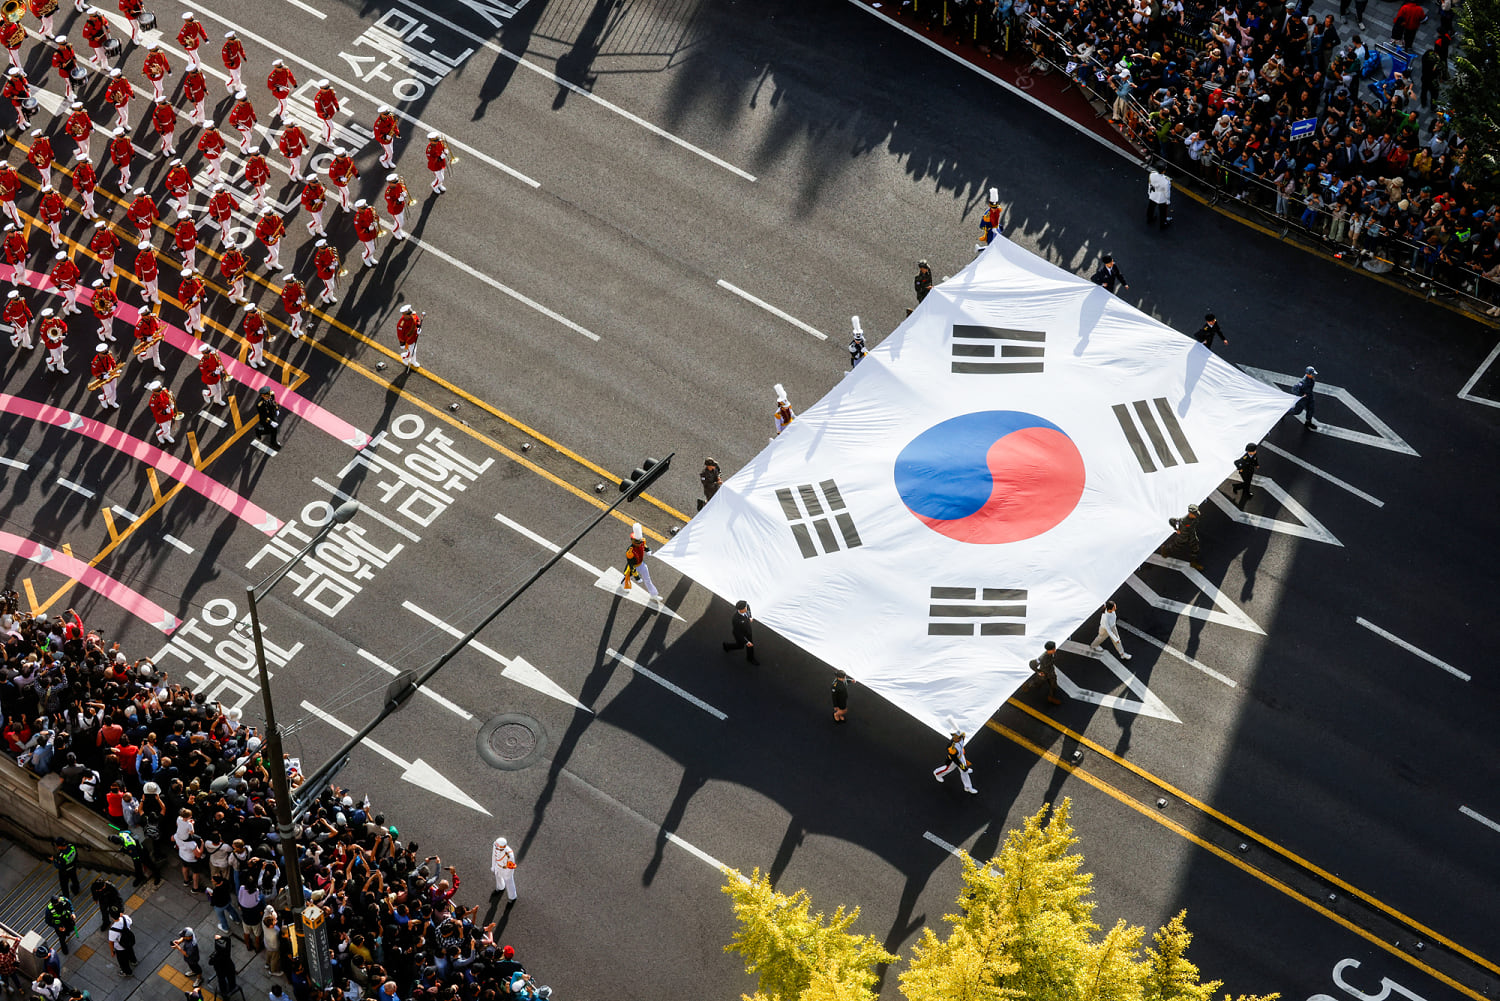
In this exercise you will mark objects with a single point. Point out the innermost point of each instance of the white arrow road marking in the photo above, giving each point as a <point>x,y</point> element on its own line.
<point>1318,472</point>
<point>516,669</point>
<point>1306,527</point>
<point>1149,704</point>
<point>457,710</point>
<point>1164,648</point>
<point>417,771</point>
<point>663,682</point>
<point>1225,612</point>
<point>1487,822</point>
<point>1416,650</point>
<point>1464,394</point>
<point>606,580</point>
<point>1384,437</point>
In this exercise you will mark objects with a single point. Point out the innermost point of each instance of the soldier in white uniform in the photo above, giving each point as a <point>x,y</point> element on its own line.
<point>784,414</point>
<point>1109,630</point>
<point>503,865</point>
<point>957,760</point>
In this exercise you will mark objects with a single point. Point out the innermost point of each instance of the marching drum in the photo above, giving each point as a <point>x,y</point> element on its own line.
<point>147,20</point>
<point>111,46</point>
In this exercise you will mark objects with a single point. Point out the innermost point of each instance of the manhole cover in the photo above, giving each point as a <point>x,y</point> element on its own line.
<point>512,741</point>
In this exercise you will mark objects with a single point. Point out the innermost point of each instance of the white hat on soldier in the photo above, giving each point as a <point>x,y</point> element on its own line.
<point>101,347</point>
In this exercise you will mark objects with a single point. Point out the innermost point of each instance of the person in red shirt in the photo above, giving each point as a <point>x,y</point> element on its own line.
<point>121,154</point>
<point>387,130</point>
<point>50,210</point>
<point>367,230</point>
<point>96,33</point>
<point>163,410</point>
<point>12,36</point>
<point>18,90</point>
<point>341,171</point>
<point>148,334</point>
<point>65,65</point>
<point>242,117</point>
<point>254,331</point>
<point>164,121</point>
<point>325,106</point>
<point>195,89</point>
<point>211,371</point>
<point>17,315</point>
<point>233,265</point>
<point>64,277</point>
<point>438,161</point>
<point>293,300</point>
<point>179,185</point>
<point>54,332</point>
<point>233,54</point>
<point>314,201</point>
<point>211,146</point>
<point>42,10</point>
<point>408,330</point>
<point>257,174</point>
<point>190,36</point>
<point>147,272</point>
<point>104,303</point>
<point>143,213</point>
<point>293,145</point>
<point>104,245</point>
<point>156,69</point>
<point>79,128</point>
<point>396,200</point>
<point>119,93</point>
<point>40,155</point>
<point>191,293</point>
<point>269,229</point>
<point>326,263</point>
<point>85,181</point>
<point>280,81</point>
<point>15,254</point>
<point>185,236</point>
<point>9,181</point>
<point>104,366</point>
<point>222,205</point>
<point>133,9</point>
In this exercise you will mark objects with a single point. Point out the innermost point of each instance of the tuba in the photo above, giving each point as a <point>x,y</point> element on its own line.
<point>13,10</point>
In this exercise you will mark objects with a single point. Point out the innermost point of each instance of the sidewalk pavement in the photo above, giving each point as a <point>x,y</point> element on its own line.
<point>161,911</point>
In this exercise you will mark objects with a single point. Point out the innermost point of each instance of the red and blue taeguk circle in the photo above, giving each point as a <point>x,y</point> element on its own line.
<point>991,477</point>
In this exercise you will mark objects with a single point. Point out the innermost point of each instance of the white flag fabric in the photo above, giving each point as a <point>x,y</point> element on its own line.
<point>981,483</point>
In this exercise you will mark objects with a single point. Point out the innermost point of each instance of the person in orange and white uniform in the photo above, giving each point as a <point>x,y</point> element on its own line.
<point>12,36</point>
<point>326,106</point>
<point>179,185</point>
<point>147,272</point>
<point>156,69</point>
<point>53,330</point>
<point>142,212</point>
<point>185,236</point>
<point>211,371</point>
<point>254,331</point>
<point>293,145</point>
<point>211,146</point>
<point>222,205</point>
<point>396,198</point>
<point>147,326</point>
<point>242,116</point>
<point>269,229</point>
<point>96,33</point>
<point>294,301</point>
<point>635,562</point>
<point>163,410</point>
<point>17,315</point>
<point>122,154</point>
<point>120,93</point>
<point>233,265</point>
<point>784,414</point>
<point>86,181</point>
<point>18,91</point>
<point>42,10</point>
<point>408,331</point>
<point>64,63</point>
<point>164,121</point>
<point>326,263</point>
<point>190,36</point>
<point>40,155</point>
<point>438,160</point>
<point>64,277</point>
<point>104,245</point>
<point>280,82</point>
<point>49,210</point>
<point>195,89</point>
<point>341,171</point>
<point>16,251</point>
<point>104,303</point>
<point>366,230</point>
<point>315,201</point>
<point>79,127</point>
<point>257,174</point>
<point>9,182</point>
<point>191,292</point>
<point>233,55</point>
<point>133,9</point>
<point>387,130</point>
<point>101,365</point>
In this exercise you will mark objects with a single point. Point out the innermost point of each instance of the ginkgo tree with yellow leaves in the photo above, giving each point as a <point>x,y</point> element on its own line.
<point>1024,929</point>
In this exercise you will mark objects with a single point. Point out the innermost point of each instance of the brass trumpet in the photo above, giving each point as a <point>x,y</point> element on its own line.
<point>97,384</point>
<point>13,10</point>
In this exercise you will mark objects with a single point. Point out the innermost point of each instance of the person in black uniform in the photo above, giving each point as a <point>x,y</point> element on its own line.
<point>742,625</point>
<point>712,478</point>
<point>1045,672</point>
<point>1247,464</point>
<point>270,417</point>
<point>840,697</point>
<point>61,919</point>
<point>1205,334</point>
<point>923,282</point>
<point>1109,274</point>
<point>1185,541</point>
<point>65,859</point>
<point>1305,398</point>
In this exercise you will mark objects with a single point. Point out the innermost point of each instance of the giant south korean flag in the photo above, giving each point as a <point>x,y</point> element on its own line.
<point>981,483</point>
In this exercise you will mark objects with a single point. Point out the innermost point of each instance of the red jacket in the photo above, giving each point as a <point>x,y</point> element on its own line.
<point>121,151</point>
<point>142,211</point>
<point>222,205</point>
<point>326,103</point>
<point>292,142</point>
<point>326,262</point>
<point>314,196</point>
<point>17,312</point>
<point>257,170</point>
<point>52,207</point>
<point>104,243</point>
<point>269,229</point>
<point>192,34</point>
<point>119,92</point>
<point>210,369</point>
<point>232,264</point>
<point>233,54</point>
<point>104,303</point>
<point>84,177</point>
<point>242,116</point>
<point>54,330</point>
<point>255,326</point>
<point>65,274</point>
<point>178,181</point>
<point>280,81</point>
<point>79,125</point>
<point>366,224</point>
<point>408,327</point>
<point>164,118</point>
<point>387,129</point>
<point>163,407</point>
<point>211,144</point>
<point>395,197</point>
<point>145,265</point>
<point>190,291</point>
<point>437,155</point>
<point>40,154</point>
<point>1409,16</point>
<point>186,236</point>
<point>155,66</point>
<point>291,297</point>
<point>15,248</point>
<point>102,364</point>
<point>194,86</point>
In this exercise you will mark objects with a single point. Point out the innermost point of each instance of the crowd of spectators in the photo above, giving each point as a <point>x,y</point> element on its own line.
<point>187,779</point>
<point>1215,92</point>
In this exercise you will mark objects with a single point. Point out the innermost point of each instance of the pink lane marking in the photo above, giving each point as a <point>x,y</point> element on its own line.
<point>100,583</point>
<point>184,341</point>
<point>164,462</point>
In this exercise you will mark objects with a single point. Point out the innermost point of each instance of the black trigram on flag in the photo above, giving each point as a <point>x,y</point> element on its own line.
<point>974,350</point>
<point>1156,421</point>
<point>821,524</point>
<point>967,611</point>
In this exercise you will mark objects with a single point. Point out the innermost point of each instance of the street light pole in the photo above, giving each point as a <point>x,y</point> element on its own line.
<point>285,828</point>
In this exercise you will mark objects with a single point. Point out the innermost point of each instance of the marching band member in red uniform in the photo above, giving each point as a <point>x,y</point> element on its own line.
<point>191,292</point>
<point>195,89</point>
<point>102,364</point>
<point>15,254</point>
<point>40,155</point>
<point>64,63</point>
<point>12,36</point>
<point>367,230</point>
<point>163,410</point>
<point>222,205</point>
<point>164,121</point>
<point>257,174</point>
<point>50,210</point>
<point>233,266</point>
<point>179,185</point>
<point>396,199</point>
<point>148,328</point>
<point>122,154</point>
<point>104,303</point>
<point>85,182</point>
<point>64,277</point>
<point>408,329</point>
<point>133,9</point>
<point>254,330</point>
<point>387,130</point>
<point>147,272</point>
<point>242,117</point>
<point>341,171</point>
<point>18,90</point>
<point>325,106</point>
<point>143,213</point>
<point>211,146</point>
<point>438,161</point>
<point>9,182</point>
<point>120,93</point>
<point>42,10</point>
<point>54,331</point>
<point>326,264</point>
<point>315,201</point>
<point>211,371</point>
<point>190,36</point>
<point>293,300</point>
<point>280,82</point>
<point>18,315</point>
<point>269,229</point>
<point>233,55</point>
<point>293,145</point>
<point>156,69</point>
<point>104,244</point>
<point>185,236</point>
<point>96,33</point>
<point>79,128</point>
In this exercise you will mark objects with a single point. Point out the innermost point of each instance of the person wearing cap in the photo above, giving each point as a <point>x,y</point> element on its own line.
<point>191,292</point>
<point>958,760</point>
<point>143,213</point>
<point>17,315</point>
<point>257,174</point>
<point>163,410</point>
<point>120,93</point>
<point>503,865</point>
<point>326,106</point>
<point>314,198</point>
<point>50,209</point>
<point>742,628</point>
<point>857,346</point>
<point>989,223</point>
<point>387,130</point>
<point>242,116</point>
<point>1044,671</point>
<point>635,562</point>
<point>1109,274</point>
<point>65,861</point>
<point>292,142</point>
<point>9,183</point>
<point>53,331</point>
<point>294,301</point>
<point>103,244</point>
<point>59,912</point>
<point>79,127</point>
<point>179,185</point>
<point>408,329</point>
<point>156,68</point>
<point>326,264</point>
<point>1205,334</point>
<point>40,155</point>
<point>232,52</point>
<point>148,273</point>
<point>16,251</point>
<point>711,478</point>
<point>186,945</point>
<point>783,415</point>
<point>366,230</point>
<point>96,33</point>
<point>438,161</point>
<point>122,155</point>
<point>85,181</point>
<point>341,172</point>
<point>396,200</point>
<point>1305,398</point>
<point>1247,464</point>
<point>18,90</point>
<point>232,265</point>
<point>211,148</point>
<point>923,282</point>
<point>195,91</point>
<point>104,303</point>
<point>148,339</point>
<point>164,121</point>
<point>254,331</point>
<point>1185,540</point>
<point>64,277</point>
<point>190,36</point>
<point>133,9</point>
<point>1158,197</point>
<point>269,229</point>
<point>12,36</point>
<point>280,82</point>
<point>269,410</point>
<point>222,205</point>
<point>1109,629</point>
<point>104,366</point>
<point>64,62</point>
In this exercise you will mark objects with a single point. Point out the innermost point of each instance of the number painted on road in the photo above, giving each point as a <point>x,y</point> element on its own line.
<point>1387,986</point>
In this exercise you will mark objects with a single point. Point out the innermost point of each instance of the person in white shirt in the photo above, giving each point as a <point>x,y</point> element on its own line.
<point>503,865</point>
<point>1158,197</point>
<point>1109,630</point>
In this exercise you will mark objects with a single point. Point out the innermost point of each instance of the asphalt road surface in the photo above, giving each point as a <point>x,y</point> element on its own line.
<point>1317,695</point>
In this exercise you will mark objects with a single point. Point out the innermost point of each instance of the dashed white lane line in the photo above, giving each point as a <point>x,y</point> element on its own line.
<point>368,511</point>
<point>216,420</point>
<point>427,14</point>
<point>1487,822</point>
<point>121,512</point>
<point>1413,649</point>
<point>653,676</point>
<point>1191,662</point>
<point>15,464</point>
<point>172,540</point>
<point>1318,472</point>
<point>788,317</point>
<point>257,443</point>
<point>945,846</point>
<point>315,12</point>
<point>452,707</point>
<point>76,488</point>
<point>605,580</point>
<point>348,88</point>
